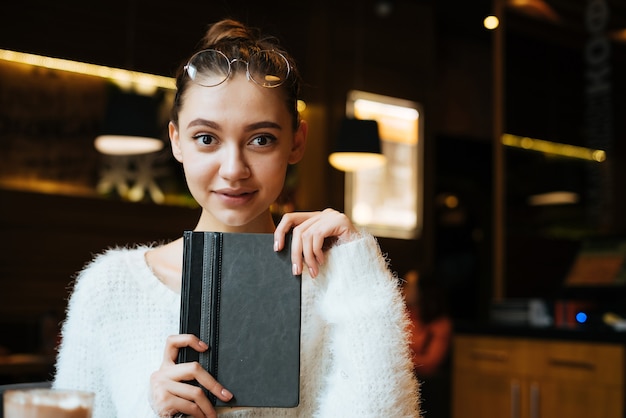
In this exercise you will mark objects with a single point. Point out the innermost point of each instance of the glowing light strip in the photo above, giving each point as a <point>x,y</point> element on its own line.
<point>115,74</point>
<point>401,112</point>
<point>553,198</point>
<point>555,148</point>
<point>119,75</point>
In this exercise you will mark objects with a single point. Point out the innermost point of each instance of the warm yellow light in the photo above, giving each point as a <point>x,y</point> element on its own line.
<point>554,198</point>
<point>554,148</point>
<point>125,78</point>
<point>363,213</point>
<point>127,145</point>
<point>353,161</point>
<point>451,201</point>
<point>618,35</point>
<point>395,123</point>
<point>384,109</point>
<point>491,22</point>
<point>598,155</point>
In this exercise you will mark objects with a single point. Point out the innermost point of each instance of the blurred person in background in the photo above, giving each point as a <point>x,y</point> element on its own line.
<point>431,330</point>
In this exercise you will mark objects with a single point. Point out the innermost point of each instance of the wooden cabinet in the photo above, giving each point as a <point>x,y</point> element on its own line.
<point>496,377</point>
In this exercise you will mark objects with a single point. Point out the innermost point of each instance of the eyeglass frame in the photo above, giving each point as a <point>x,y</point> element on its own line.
<point>230,66</point>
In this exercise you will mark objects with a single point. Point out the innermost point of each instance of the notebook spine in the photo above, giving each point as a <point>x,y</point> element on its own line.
<point>185,291</point>
<point>211,286</point>
<point>215,302</point>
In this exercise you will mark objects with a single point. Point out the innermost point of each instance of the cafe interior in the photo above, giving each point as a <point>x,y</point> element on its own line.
<point>493,170</point>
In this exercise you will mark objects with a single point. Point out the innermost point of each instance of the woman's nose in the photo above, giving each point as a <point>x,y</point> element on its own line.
<point>233,165</point>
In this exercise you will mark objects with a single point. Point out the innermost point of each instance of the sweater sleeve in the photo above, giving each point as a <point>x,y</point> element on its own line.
<point>371,373</point>
<point>79,358</point>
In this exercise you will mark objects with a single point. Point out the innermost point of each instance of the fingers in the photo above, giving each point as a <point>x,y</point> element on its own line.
<point>193,370</point>
<point>190,398</point>
<point>301,246</point>
<point>312,249</point>
<point>215,387</point>
<point>310,232</point>
<point>175,342</point>
<point>289,221</point>
<point>170,397</point>
<point>169,391</point>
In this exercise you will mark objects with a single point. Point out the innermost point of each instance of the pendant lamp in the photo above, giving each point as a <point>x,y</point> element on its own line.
<point>130,125</point>
<point>357,146</point>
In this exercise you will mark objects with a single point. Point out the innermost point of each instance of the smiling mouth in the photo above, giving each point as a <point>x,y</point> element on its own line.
<point>234,195</point>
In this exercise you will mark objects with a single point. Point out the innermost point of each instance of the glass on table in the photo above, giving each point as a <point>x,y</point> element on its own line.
<point>47,403</point>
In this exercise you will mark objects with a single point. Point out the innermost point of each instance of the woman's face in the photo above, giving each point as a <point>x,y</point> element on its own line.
<point>235,141</point>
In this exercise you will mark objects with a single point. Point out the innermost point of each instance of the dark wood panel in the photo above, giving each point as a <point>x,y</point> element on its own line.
<point>46,239</point>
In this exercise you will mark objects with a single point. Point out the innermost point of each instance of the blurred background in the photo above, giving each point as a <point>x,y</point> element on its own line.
<point>521,144</point>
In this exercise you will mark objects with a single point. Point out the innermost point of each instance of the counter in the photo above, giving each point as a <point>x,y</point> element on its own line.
<point>583,334</point>
<point>528,372</point>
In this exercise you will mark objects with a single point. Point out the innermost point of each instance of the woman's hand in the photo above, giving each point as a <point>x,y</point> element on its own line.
<point>170,395</point>
<point>313,232</point>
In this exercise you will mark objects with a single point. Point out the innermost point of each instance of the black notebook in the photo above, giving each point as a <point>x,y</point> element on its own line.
<point>240,297</point>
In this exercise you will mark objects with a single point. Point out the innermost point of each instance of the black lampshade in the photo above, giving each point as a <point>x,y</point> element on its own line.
<point>358,135</point>
<point>131,114</point>
<point>130,124</point>
<point>357,145</point>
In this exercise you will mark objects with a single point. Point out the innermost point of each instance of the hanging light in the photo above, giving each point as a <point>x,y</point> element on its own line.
<point>357,146</point>
<point>130,125</point>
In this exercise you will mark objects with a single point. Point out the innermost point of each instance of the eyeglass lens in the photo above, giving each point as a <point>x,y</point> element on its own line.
<point>211,67</point>
<point>208,68</point>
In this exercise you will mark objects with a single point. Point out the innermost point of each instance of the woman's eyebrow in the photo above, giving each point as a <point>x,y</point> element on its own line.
<point>263,124</point>
<point>203,122</point>
<point>250,127</point>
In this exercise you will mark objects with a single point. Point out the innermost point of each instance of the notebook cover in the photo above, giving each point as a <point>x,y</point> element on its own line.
<point>240,297</point>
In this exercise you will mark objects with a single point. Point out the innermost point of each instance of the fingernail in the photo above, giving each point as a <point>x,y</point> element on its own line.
<point>226,394</point>
<point>203,344</point>
<point>311,272</point>
<point>294,269</point>
<point>275,245</point>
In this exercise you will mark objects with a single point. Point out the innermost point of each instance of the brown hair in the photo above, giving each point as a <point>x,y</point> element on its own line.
<point>237,40</point>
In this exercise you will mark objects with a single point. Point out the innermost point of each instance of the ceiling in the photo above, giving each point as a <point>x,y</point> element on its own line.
<point>142,33</point>
<point>154,36</point>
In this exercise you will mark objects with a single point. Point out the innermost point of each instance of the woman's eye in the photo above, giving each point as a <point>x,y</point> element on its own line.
<point>205,139</point>
<point>263,140</point>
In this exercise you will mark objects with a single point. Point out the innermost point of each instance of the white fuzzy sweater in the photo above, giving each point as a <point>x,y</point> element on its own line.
<point>354,352</point>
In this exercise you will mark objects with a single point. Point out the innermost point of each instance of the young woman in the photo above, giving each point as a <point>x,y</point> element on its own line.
<point>235,129</point>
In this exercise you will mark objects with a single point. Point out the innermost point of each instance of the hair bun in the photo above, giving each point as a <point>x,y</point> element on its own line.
<point>228,29</point>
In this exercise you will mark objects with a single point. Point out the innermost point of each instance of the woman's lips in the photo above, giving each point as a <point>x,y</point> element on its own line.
<point>232,196</point>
